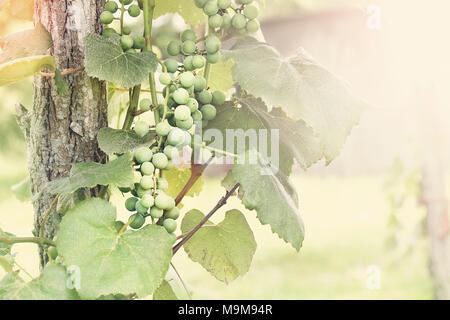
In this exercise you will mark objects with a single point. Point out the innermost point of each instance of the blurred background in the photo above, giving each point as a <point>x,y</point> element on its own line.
<point>376,218</point>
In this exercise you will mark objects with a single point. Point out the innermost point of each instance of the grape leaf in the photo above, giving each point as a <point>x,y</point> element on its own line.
<point>22,190</point>
<point>185,8</point>
<point>220,76</point>
<point>113,141</point>
<point>106,60</point>
<point>4,247</point>
<point>270,193</point>
<point>134,262</point>
<point>177,179</point>
<point>51,285</point>
<point>304,89</point>
<point>87,175</point>
<point>26,43</point>
<point>7,263</point>
<point>225,250</point>
<point>19,69</point>
<point>165,292</point>
<point>247,112</point>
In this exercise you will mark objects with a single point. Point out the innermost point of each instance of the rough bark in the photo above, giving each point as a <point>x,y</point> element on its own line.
<point>61,130</point>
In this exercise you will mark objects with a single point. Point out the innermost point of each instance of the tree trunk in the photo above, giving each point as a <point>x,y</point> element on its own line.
<point>61,130</point>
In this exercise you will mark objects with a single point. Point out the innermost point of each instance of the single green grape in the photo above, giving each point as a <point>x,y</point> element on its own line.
<point>252,26</point>
<point>200,3</point>
<point>198,62</point>
<point>126,30</point>
<point>182,112</point>
<point>205,97</point>
<point>143,154</point>
<point>141,128</point>
<point>175,137</point>
<point>108,32</point>
<point>106,17</point>
<point>185,124</point>
<point>187,139</point>
<point>223,4</point>
<point>134,10</point>
<point>124,189</point>
<point>126,42</point>
<point>181,96</point>
<point>156,212</point>
<point>141,208</point>
<point>213,58</point>
<point>163,129</point>
<point>188,35</point>
<point>136,221</point>
<point>147,168</point>
<point>251,12</point>
<point>215,21</point>
<point>165,78</point>
<point>187,79</point>
<point>145,104</point>
<point>208,111</point>
<point>192,105</point>
<point>174,48</point>
<point>188,63</point>
<point>213,44</point>
<point>138,42</point>
<point>164,202</point>
<point>141,192</point>
<point>197,116</point>
<point>111,6</point>
<point>170,151</point>
<point>226,21</point>
<point>171,65</point>
<point>160,160</point>
<point>199,83</point>
<point>239,21</point>
<point>126,2</point>
<point>163,184</point>
<point>148,201</point>
<point>189,47</point>
<point>130,204</point>
<point>173,213</point>
<point>147,182</point>
<point>211,8</point>
<point>170,225</point>
<point>219,98</point>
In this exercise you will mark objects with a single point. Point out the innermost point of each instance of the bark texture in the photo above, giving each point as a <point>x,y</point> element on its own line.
<point>61,130</point>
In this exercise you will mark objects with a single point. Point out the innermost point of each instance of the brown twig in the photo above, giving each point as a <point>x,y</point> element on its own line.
<point>219,205</point>
<point>64,73</point>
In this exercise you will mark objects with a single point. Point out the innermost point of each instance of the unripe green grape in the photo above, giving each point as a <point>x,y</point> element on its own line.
<point>189,47</point>
<point>197,116</point>
<point>130,204</point>
<point>244,1</point>
<point>126,42</point>
<point>200,3</point>
<point>163,184</point>
<point>215,21</point>
<point>181,96</point>
<point>134,10</point>
<point>173,213</point>
<point>219,98</point>
<point>223,4</point>
<point>170,225</point>
<point>185,124</point>
<point>175,137</point>
<point>186,140</point>
<point>165,79</point>
<point>189,35</point>
<point>252,26</point>
<point>108,32</point>
<point>171,65</point>
<point>239,21</point>
<point>147,168</point>
<point>106,17</point>
<point>126,2</point>
<point>163,129</point>
<point>111,6</point>
<point>187,79</point>
<point>211,8</point>
<point>251,12</point>
<point>138,42</point>
<point>148,201</point>
<point>192,105</point>
<point>156,212</point>
<point>143,154</point>
<point>226,21</point>
<point>141,128</point>
<point>124,190</point>
<point>182,112</point>
<point>213,44</point>
<point>145,104</point>
<point>174,48</point>
<point>118,225</point>
<point>147,182</point>
<point>208,111</point>
<point>141,209</point>
<point>187,62</point>
<point>205,97</point>
<point>213,58</point>
<point>126,30</point>
<point>199,83</point>
<point>136,221</point>
<point>141,192</point>
<point>170,151</point>
<point>159,160</point>
<point>165,202</point>
<point>198,62</point>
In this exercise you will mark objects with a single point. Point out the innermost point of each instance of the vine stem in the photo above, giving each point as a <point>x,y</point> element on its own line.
<point>219,205</point>
<point>64,73</point>
<point>47,214</point>
<point>38,240</point>
<point>181,280</point>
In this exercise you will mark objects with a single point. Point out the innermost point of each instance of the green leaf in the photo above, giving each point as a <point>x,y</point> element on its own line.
<point>115,141</point>
<point>270,193</point>
<point>60,83</point>
<point>247,112</point>
<point>19,69</point>
<point>178,178</point>
<point>51,285</point>
<point>220,76</point>
<point>106,60</point>
<point>225,250</point>
<point>304,89</point>
<point>5,248</point>
<point>22,190</point>
<point>134,262</point>
<point>165,292</point>
<point>185,8</point>
<point>87,175</point>
<point>7,262</point>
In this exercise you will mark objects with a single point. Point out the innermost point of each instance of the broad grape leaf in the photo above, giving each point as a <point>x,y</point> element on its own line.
<point>269,192</point>
<point>106,60</point>
<point>26,43</point>
<point>164,292</point>
<point>185,8</point>
<point>22,190</point>
<point>225,250</point>
<point>7,262</point>
<point>51,285</point>
<point>89,174</point>
<point>303,88</point>
<point>177,179</point>
<point>19,69</point>
<point>135,262</point>
<point>220,76</point>
<point>115,141</point>
<point>296,139</point>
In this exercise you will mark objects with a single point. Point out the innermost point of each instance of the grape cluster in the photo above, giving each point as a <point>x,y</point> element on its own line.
<point>128,42</point>
<point>231,17</point>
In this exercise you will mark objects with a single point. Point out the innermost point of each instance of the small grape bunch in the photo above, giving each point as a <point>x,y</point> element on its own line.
<point>227,16</point>
<point>128,41</point>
